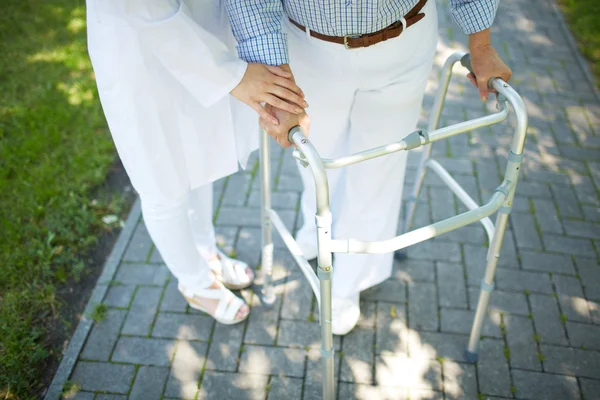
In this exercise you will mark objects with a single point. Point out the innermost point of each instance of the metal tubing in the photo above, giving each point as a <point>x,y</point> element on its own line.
<point>488,281</point>
<point>461,194</point>
<point>325,269</point>
<point>434,120</point>
<point>520,110</point>
<point>267,238</point>
<point>296,252</point>
<point>422,234</point>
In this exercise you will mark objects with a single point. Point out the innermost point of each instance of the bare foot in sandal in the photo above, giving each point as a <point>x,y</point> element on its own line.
<point>217,301</point>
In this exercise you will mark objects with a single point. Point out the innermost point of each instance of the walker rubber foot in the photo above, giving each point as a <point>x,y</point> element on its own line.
<point>400,255</point>
<point>267,301</point>
<point>471,357</point>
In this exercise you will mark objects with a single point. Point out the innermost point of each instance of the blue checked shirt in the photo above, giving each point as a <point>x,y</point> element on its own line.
<point>257,23</point>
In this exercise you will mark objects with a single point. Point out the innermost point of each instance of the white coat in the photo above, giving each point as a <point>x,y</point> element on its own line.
<point>164,70</point>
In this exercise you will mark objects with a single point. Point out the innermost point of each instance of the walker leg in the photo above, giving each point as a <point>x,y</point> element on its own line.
<point>487,284</point>
<point>327,336</point>
<point>325,271</point>
<point>268,297</point>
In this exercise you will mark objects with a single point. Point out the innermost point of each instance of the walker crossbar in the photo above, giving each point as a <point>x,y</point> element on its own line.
<point>501,202</point>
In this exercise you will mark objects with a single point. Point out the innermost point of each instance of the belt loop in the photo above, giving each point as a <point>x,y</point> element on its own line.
<point>403,22</point>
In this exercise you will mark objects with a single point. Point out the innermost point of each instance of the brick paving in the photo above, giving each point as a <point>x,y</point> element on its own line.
<point>542,337</point>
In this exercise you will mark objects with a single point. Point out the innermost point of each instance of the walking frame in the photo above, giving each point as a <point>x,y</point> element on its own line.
<point>501,201</point>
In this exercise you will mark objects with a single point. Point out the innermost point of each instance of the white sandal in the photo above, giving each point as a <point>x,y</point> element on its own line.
<point>232,273</point>
<point>228,307</point>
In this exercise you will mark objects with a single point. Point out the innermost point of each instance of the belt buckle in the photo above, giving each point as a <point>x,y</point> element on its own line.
<point>351,36</point>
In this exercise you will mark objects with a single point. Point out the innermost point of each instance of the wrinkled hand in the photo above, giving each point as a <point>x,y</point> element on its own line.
<point>274,85</point>
<point>486,63</point>
<point>286,122</point>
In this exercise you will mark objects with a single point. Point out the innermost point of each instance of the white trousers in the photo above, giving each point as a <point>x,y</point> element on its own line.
<point>361,99</point>
<point>182,230</point>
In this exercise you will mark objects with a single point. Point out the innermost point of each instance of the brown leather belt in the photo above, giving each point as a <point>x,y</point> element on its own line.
<point>369,39</point>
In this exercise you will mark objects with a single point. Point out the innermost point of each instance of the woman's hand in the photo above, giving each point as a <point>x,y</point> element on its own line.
<point>486,63</point>
<point>273,85</point>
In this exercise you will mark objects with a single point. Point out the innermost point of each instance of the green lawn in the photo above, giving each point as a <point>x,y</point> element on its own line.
<point>583,17</point>
<point>54,151</point>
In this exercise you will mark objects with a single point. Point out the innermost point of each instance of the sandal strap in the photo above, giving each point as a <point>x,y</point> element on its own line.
<point>228,305</point>
<point>232,271</point>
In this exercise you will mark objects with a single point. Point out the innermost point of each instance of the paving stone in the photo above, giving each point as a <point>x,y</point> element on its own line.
<point>272,360</point>
<point>140,245</point>
<point>594,311</point>
<point>246,216</point>
<point>225,385</point>
<point>414,270</point>
<point>584,335</point>
<point>468,234</point>
<point>284,388</point>
<point>392,332</point>
<point>314,372</point>
<point>119,296</point>
<point>534,189</point>
<point>451,285</point>
<point>186,369</point>
<point>225,347</point>
<point>358,353</point>
<point>432,345</point>
<point>526,232</point>
<point>521,280</point>
<point>582,229</point>
<point>99,376</point>
<point>589,270</point>
<point>569,361</point>
<point>172,299</point>
<point>492,368</point>
<point>442,203</point>
<point>297,301</point>
<point>521,343</point>
<point>390,291</point>
<point>351,391</point>
<point>461,321</point>
<point>183,326</point>
<point>535,385</point>
<point>425,394</point>
<point>236,190</point>
<point>546,317</point>
<point>422,307</point>
<point>103,337</point>
<point>567,202</point>
<point>368,314</point>
<point>149,383</point>
<point>442,251</point>
<point>135,350</point>
<point>142,274</point>
<point>403,371</point>
<point>547,216</point>
<point>262,322</point>
<point>82,396</point>
<point>110,397</point>
<point>155,257</point>
<point>569,245</point>
<point>302,334</point>
<point>570,296</point>
<point>501,302</point>
<point>460,380</point>
<point>142,312</point>
<point>547,262</point>
<point>591,213</point>
<point>475,262</point>
<point>589,387</point>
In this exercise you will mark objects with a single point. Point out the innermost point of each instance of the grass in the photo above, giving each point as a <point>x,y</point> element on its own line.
<point>55,151</point>
<point>99,313</point>
<point>583,17</point>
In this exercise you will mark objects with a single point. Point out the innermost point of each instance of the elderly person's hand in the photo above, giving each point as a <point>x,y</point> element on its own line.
<point>486,63</point>
<point>286,122</point>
